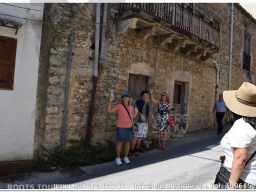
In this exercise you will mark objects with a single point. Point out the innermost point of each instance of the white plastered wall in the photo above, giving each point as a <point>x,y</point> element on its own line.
<point>17,112</point>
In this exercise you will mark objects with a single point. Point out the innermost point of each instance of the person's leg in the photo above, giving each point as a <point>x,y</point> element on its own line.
<point>118,148</point>
<point>134,141</point>
<point>126,148</point>
<point>138,143</point>
<point>159,139</point>
<point>164,139</point>
<point>221,119</point>
<point>218,118</point>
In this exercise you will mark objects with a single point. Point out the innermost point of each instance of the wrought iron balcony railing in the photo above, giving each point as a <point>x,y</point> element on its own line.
<point>182,19</point>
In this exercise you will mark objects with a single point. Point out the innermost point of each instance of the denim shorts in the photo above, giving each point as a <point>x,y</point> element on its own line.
<point>124,134</point>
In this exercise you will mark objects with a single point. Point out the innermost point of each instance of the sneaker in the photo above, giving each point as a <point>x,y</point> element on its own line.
<point>139,151</point>
<point>132,153</point>
<point>126,160</point>
<point>118,161</point>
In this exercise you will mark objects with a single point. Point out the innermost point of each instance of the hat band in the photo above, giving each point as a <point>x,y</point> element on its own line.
<point>244,101</point>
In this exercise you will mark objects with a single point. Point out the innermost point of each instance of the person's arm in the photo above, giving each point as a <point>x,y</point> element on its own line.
<point>110,110</point>
<point>238,164</point>
<point>142,117</point>
<point>169,110</point>
<point>135,112</point>
<point>213,109</point>
<point>152,98</point>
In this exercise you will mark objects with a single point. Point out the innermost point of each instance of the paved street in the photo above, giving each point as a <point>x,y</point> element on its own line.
<point>192,160</point>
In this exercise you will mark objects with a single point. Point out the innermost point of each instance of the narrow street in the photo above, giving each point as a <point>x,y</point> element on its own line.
<point>192,161</point>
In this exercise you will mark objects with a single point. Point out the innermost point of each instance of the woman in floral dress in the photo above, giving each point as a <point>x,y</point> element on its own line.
<point>162,118</point>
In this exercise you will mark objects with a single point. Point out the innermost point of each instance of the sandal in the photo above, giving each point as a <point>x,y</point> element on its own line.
<point>159,146</point>
<point>163,148</point>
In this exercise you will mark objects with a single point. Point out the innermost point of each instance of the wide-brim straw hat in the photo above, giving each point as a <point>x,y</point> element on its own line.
<point>243,100</point>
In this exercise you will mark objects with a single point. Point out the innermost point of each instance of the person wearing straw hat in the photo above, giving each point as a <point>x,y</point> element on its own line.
<point>221,109</point>
<point>126,114</point>
<point>239,144</point>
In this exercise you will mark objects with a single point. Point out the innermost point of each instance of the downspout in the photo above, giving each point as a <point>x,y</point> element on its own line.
<point>231,43</point>
<point>217,83</point>
<point>74,8</point>
<point>217,78</point>
<point>95,72</point>
<point>104,36</point>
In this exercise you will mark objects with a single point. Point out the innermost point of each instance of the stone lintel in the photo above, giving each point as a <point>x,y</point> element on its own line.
<point>146,32</point>
<point>177,44</point>
<point>187,50</point>
<point>208,56</point>
<point>122,26</point>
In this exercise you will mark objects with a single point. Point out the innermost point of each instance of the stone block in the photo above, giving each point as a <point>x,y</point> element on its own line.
<point>55,100</point>
<point>51,119</point>
<point>54,80</point>
<point>55,90</point>
<point>51,110</point>
<point>55,60</point>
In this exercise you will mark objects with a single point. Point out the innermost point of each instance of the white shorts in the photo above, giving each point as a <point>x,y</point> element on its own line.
<point>142,130</point>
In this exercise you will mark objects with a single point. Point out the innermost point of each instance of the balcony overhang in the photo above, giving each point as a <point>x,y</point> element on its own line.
<point>10,23</point>
<point>178,39</point>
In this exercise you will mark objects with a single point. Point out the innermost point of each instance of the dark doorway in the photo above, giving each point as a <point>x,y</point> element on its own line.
<point>137,84</point>
<point>179,105</point>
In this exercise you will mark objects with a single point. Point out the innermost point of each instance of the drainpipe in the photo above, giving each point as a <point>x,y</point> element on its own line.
<point>104,37</point>
<point>231,43</point>
<point>95,72</point>
<point>217,78</point>
<point>156,66</point>
<point>217,83</point>
<point>74,9</point>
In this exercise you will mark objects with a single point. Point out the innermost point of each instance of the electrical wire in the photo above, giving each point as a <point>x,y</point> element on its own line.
<point>33,20</point>
<point>21,7</point>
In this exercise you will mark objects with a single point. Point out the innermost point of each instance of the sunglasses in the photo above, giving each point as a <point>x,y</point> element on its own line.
<point>125,96</point>
<point>163,95</point>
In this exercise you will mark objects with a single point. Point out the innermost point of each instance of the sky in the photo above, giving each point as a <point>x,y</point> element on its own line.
<point>250,7</point>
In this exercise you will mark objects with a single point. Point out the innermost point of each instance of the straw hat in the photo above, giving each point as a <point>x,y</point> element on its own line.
<point>243,100</point>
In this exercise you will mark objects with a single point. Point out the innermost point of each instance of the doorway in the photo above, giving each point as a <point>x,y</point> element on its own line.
<point>137,84</point>
<point>179,107</point>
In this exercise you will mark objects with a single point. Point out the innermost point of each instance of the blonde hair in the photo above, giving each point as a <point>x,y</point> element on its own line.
<point>167,98</point>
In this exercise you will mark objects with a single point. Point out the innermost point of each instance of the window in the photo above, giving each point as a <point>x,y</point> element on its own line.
<point>247,52</point>
<point>7,62</point>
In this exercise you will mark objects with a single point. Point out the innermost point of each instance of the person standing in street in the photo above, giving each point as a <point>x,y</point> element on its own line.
<point>164,110</point>
<point>221,109</point>
<point>143,112</point>
<point>126,114</point>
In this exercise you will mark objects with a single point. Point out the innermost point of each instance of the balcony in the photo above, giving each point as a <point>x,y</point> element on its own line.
<point>183,28</point>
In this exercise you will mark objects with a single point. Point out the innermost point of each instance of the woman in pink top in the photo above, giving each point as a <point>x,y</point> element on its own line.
<point>124,125</point>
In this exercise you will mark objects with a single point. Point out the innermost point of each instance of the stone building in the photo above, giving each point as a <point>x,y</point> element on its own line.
<point>176,48</point>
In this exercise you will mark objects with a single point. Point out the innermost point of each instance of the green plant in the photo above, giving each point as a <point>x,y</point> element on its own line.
<point>79,154</point>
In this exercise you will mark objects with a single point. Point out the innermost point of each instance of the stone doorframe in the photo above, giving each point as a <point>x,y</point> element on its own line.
<point>186,78</point>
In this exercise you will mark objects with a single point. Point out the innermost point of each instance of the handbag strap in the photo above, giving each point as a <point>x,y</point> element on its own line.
<point>250,158</point>
<point>128,113</point>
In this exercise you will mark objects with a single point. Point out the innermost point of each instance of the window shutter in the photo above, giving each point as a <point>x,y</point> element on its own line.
<point>7,61</point>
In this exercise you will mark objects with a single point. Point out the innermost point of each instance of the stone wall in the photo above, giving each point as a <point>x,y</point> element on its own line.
<point>128,53</point>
